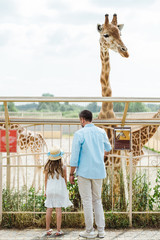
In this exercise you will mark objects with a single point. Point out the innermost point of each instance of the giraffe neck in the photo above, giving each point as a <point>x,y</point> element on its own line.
<point>107,108</point>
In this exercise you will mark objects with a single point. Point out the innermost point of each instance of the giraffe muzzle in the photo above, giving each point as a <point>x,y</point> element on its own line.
<point>123,51</point>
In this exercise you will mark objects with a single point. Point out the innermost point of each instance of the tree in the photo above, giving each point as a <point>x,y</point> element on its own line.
<point>48,106</point>
<point>93,107</point>
<point>118,106</point>
<point>11,107</point>
<point>137,107</point>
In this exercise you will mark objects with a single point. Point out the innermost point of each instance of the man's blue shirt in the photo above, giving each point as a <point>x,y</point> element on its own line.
<point>88,148</point>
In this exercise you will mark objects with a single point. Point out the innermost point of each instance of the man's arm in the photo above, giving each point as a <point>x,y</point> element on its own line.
<point>107,145</point>
<point>76,146</point>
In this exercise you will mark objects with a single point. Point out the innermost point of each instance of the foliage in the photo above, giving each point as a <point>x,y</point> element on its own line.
<point>133,107</point>
<point>11,107</point>
<point>146,220</point>
<point>119,198</point>
<point>68,108</point>
<point>93,107</point>
<point>30,107</point>
<point>152,149</point>
<point>153,107</point>
<point>137,107</point>
<point>155,199</point>
<point>118,106</point>
<point>116,220</point>
<point>74,194</point>
<point>141,193</point>
<point>14,201</point>
<point>48,106</point>
<point>23,200</point>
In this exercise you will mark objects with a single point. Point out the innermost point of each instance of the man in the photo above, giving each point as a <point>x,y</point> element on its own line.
<point>87,158</point>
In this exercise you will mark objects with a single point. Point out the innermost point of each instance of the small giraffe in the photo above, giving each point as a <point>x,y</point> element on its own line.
<point>141,136</point>
<point>31,141</point>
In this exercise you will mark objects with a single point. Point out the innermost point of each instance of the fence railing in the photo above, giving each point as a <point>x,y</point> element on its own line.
<point>25,114</point>
<point>26,169</point>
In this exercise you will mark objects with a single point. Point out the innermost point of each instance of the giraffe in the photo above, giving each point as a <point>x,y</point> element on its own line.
<point>28,140</point>
<point>141,136</point>
<point>110,38</point>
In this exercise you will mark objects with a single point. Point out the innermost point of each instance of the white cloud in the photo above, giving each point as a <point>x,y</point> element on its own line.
<point>53,46</point>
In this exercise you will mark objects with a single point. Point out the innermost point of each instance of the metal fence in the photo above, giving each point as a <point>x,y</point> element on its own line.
<point>135,176</point>
<point>25,114</point>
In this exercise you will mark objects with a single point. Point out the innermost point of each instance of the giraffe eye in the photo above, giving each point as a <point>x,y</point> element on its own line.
<point>106,35</point>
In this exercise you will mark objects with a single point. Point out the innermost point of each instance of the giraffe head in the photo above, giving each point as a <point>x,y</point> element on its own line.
<point>110,36</point>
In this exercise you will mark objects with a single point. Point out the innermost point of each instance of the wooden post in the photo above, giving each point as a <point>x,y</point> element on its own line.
<point>130,190</point>
<point>125,113</point>
<point>124,172</point>
<point>7,144</point>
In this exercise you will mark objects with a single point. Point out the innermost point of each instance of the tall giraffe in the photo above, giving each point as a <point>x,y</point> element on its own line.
<point>31,141</point>
<point>109,39</point>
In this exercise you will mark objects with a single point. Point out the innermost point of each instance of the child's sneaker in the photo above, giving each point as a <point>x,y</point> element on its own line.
<point>47,233</point>
<point>59,233</point>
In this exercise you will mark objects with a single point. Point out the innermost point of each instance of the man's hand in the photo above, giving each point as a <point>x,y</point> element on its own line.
<point>71,179</point>
<point>71,176</point>
<point>106,153</point>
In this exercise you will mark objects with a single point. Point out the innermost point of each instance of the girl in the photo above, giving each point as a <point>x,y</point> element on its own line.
<point>55,188</point>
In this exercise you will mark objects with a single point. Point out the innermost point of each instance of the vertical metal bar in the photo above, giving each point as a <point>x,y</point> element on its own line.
<point>130,190</point>
<point>158,140</point>
<point>60,136</point>
<point>26,168</point>
<point>124,172</point>
<point>18,180</point>
<point>148,170</point>
<point>125,113</point>
<point>69,143</point>
<point>34,172</point>
<point>41,172</point>
<point>140,152</point>
<point>7,145</point>
<point>112,179</point>
<point>52,134</point>
<point>0,187</point>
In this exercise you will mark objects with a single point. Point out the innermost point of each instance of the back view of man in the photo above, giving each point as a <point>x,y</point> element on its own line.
<point>87,158</point>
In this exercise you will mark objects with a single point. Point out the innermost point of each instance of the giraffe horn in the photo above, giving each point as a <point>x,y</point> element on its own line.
<point>106,19</point>
<point>114,20</point>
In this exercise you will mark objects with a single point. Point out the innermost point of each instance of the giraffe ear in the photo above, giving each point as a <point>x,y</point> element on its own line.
<point>99,27</point>
<point>120,26</point>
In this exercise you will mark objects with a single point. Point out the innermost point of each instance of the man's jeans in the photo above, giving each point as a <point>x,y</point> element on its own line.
<point>90,191</point>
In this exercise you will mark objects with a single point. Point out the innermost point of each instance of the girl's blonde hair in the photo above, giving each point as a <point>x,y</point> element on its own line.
<point>54,167</point>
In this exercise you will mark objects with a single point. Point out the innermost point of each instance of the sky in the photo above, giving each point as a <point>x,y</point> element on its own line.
<point>52,46</point>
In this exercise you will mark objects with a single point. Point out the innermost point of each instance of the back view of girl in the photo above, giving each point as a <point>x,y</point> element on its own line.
<point>55,188</point>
